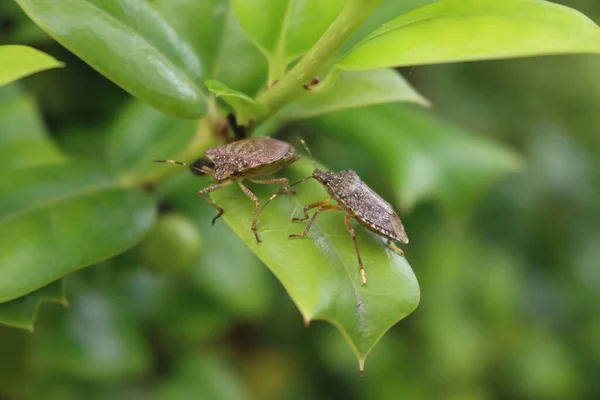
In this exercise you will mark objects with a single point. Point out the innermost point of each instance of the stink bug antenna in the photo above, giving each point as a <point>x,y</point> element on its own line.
<point>308,152</point>
<point>201,169</point>
<point>283,190</point>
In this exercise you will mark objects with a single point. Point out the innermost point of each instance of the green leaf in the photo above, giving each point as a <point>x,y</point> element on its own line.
<point>22,312</point>
<point>378,17</point>
<point>320,272</point>
<point>131,44</point>
<point>96,340</point>
<point>284,30</point>
<point>57,219</point>
<point>140,134</point>
<point>350,90</point>
<point>463,30</point>
<point>422,156</point>
<point>23,138</point>
<point>246,108</point>
<point>213,31</point>
<point>17,62</point>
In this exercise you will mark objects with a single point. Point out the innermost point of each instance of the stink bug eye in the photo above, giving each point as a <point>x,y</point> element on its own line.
<point>199,164</point>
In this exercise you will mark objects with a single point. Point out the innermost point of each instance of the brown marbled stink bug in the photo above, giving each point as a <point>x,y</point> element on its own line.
<point>359,202</point>
<point>244,159</point>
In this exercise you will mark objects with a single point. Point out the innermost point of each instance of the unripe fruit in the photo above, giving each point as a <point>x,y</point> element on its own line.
<point>173,244</point>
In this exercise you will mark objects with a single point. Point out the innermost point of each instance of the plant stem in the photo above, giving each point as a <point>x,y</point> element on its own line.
<point>290,85</point>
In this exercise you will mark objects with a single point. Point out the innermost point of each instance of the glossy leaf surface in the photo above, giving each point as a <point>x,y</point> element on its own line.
<point>463,30</point>
<point>131,44</point>
<point>320,272</point>
<point>353,89</point>
<point>57,219</point>
<point>21,312</point>
<point>214,33</point>
<point>17,62</point>
<point>422,156</point>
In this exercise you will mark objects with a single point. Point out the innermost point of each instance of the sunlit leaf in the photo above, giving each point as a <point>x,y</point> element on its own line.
<point>422,156</point>
<point>382,14</point>
<point>320,272</point>
<point>17,62</point>
<point>57,219</point>
<point>22,312</point>
<point>23,137</point>
<point>462,30</point>
<point>350,90</point>
<point>130,43</point>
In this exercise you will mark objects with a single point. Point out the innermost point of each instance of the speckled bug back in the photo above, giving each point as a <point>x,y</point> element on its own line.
<point>240,157</point>
<point>360,201</point>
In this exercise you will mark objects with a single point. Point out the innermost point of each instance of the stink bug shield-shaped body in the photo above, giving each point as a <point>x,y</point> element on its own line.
<point>245,159</point>
<point>359,202</point>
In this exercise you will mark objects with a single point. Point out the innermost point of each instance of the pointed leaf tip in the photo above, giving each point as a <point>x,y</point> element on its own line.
<point>320,272</point>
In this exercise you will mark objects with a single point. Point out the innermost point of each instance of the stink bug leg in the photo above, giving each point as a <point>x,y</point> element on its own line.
<point>202,193</point>
<point>320,209</point>
<point>310,207</point>
<point>392,246</point>
<point>360,263</point>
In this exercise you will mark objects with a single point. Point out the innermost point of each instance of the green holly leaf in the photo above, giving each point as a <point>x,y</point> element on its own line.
<point>464,30</point>
<point>130,43</point>
<point>352,89</point>
<point>22,312</point>
<point>57,219</point>
<point>320,272</point>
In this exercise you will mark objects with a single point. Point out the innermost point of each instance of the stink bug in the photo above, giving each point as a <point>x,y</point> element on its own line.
<point>359,202</point>
<point>244,159</point>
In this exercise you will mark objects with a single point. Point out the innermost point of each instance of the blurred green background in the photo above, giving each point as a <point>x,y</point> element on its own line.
<point>510,288</point>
